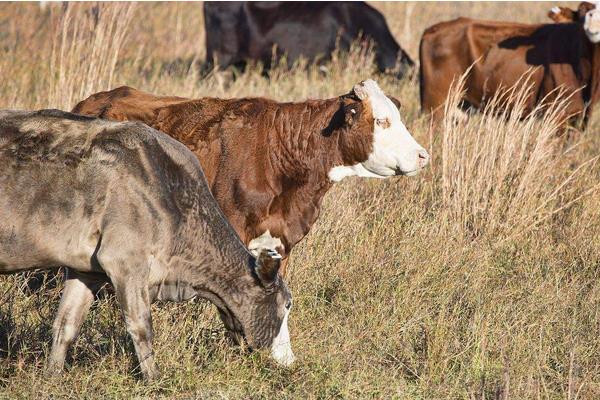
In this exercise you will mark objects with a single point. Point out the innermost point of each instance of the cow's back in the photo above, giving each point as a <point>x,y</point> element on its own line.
<point>69,180</point>
<point>238,31</point>
<point>191,122</point>
<point>124,104</point>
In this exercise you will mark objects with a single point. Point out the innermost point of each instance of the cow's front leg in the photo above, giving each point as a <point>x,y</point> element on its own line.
<point>78,295</point>
<point>135,302</point>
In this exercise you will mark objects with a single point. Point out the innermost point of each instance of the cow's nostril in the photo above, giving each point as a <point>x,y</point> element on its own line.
<point>423,158</point>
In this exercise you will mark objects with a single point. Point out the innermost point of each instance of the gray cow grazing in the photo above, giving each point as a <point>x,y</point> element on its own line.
<point>124,203</point>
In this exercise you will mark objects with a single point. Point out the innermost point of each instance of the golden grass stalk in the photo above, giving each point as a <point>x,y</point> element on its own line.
<point>85,50</point>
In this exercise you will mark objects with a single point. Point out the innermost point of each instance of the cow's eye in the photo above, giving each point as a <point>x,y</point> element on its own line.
<point>383,122</point>
<point>288,305</point>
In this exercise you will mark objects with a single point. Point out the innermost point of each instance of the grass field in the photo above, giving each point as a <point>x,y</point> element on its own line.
<point>479,278</point>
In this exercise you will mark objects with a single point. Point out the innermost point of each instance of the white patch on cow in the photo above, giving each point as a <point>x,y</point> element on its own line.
<point>591,26</point>
<point>265,241</point>
<point>555,10</point>
<point>395,151</point>
<point>281,349</point>
<point>336,174</point>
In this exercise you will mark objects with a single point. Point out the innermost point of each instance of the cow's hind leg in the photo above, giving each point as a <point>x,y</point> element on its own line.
<point>78,295</point>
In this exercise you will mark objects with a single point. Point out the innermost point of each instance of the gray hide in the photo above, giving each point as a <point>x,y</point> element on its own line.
<point>125,203</point>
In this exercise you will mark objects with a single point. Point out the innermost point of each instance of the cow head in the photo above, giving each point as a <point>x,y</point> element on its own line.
<point>591,21</point>
<point>263,316</point>
<point>375,143</point>
<point>562,15</point>
<point>566,15</point>
<point>586,14</point>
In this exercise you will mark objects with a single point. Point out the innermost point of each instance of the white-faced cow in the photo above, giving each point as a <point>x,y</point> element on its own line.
<point>124,203</point>
<point>562,15</point>
<point>269,164</point>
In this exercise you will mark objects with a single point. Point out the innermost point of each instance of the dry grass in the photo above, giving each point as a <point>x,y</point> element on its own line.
<point>85,51</point>
<point>499,167</point>
<point>476,279</point>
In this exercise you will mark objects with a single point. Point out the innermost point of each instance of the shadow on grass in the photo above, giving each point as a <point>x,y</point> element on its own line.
<point>28,306</point>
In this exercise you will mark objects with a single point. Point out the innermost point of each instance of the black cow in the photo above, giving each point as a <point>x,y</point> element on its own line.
<point>241,31</point>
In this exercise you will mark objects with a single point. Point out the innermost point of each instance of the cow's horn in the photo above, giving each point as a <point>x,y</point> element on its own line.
<point>360,91</point>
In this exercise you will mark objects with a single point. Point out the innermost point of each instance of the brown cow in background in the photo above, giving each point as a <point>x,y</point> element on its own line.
<point>562,15</point>
<point>559,55</point>
<point>269,164</point>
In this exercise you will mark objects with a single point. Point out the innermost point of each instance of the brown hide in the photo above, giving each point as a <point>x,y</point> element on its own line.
<point>559,55</point>
<point>266,162</point>
<point>114,104</point>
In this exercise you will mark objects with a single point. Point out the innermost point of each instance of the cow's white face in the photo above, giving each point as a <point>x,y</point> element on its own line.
<point>591,25</point>
<point>266,314</point>
<point>395,151</point>
<point>281,349</point>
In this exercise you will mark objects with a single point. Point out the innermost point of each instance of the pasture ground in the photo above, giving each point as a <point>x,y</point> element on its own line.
<point>478,278</point>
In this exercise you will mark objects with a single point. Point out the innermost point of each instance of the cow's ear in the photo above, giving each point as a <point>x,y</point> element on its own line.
<point>583,9</point>
<point>267,266</point>
<point>352,112</point>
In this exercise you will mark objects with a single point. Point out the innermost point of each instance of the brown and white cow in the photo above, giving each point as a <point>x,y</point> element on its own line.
<point>269,164</point>
<point>565,55</point>
<point>120,202</point>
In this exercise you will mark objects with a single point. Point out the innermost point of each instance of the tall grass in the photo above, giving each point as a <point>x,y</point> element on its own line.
<point>508,169</point>
<point>476,279</point>
<point>85,50</point>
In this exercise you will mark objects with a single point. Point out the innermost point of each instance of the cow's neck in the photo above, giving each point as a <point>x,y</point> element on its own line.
<point>306,146</point>
<point>209,261</point>
<point>307,149</point>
